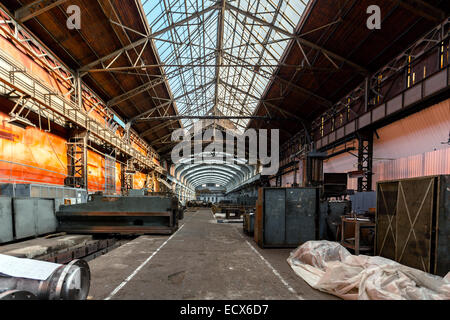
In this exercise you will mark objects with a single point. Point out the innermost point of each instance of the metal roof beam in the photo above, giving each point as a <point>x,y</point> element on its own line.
<point>141,41</point>
<point>301,40</point>
<point>134,92</point>
<point>156,128</point>
<point>321,99</point>
<point>283,112</point>
<point>36,8</point>
<point>422,9</point>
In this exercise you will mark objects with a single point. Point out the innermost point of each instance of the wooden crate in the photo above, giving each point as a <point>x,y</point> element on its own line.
<point>386,214</point>
<point>413,222</point>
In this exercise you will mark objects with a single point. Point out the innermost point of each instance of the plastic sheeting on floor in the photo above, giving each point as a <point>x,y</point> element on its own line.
<point>329,267</point>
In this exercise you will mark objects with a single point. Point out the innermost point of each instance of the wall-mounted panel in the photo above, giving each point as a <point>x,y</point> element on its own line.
<point>413,94</point>
<point>350,127</point>
<point>435,83</point>
<point>364,120</point>
<point>340,133</point>
<point>394,105</point>
<point>379,112</point>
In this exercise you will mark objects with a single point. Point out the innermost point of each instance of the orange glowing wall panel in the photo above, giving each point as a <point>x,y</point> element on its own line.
<point>96,172</point>
<point>30,155</point>
<point>34,156</point>
<point>139,180</point>
<point>118,183</point>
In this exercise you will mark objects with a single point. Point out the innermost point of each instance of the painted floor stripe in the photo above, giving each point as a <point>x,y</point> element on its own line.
<point>275,272</point>
<point>131,276</point>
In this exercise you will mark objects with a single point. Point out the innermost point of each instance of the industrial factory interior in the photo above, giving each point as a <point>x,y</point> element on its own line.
<point>206,151</point>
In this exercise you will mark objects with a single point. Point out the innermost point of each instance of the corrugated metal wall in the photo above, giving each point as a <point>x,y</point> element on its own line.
<point>411,147</point>
<point>421,132</point>
<point>425,164</point>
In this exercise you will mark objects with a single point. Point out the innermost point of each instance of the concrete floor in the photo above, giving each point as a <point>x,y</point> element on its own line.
<point>203,260</point>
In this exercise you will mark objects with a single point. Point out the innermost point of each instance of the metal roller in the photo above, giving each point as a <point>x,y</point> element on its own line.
<point>68,282</point>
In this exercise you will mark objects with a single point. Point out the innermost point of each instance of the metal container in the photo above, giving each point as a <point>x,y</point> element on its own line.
<point>22,218</point>
<point>249,223</point>
<point>286,217</point>
<point>68,282</point>
<point>413,222</point>
<point>6,220</point>
<point>43,191</point>
<point>33,217</point>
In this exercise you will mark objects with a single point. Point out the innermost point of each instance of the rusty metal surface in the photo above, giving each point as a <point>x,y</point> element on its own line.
<point>123,230</point>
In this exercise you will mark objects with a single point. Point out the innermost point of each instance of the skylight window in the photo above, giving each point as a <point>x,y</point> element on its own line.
<point>218,58</point>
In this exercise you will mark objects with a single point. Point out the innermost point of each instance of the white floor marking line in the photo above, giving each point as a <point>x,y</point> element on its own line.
<point>275,272</point>
<point>131,276</point>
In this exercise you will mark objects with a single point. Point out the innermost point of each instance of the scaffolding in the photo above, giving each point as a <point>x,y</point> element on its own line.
<point>77,161</point>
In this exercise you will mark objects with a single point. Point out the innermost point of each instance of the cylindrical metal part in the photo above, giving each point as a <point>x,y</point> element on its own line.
<point>17,295</point>
<point>68,282</point>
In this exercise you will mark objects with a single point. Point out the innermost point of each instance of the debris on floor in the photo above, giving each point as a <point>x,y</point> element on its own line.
<point>329,267</point>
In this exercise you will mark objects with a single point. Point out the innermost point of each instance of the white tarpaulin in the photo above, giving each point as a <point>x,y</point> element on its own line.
<point>329,267</point>
<point>26,268</point>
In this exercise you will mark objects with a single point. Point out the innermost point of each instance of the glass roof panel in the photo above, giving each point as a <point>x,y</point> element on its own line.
<point>221,74</point>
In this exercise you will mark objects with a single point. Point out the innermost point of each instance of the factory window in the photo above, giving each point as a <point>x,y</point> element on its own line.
<point>322,126</point>
<point>409,73</point>
<point>348,109</point>
<point>443,55</point>
<point>380,78</point>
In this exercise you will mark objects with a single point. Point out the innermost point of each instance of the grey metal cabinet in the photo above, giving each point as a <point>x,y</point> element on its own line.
<point>286,217</point>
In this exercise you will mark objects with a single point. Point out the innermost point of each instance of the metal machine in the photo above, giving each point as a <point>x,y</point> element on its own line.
<point>121,215</point>
<point>66,282</point>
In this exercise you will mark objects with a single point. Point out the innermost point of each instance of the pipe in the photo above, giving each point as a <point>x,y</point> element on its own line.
<point>67,282</point>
